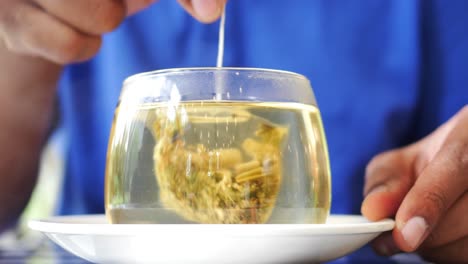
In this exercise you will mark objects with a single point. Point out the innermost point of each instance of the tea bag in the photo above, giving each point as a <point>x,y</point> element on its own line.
<point>219,60</point>
<point>223,185</point>
<point>233,185</point>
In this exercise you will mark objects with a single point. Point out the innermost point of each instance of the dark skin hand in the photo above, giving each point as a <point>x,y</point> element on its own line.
<point>38,37</point>
<point>425,187</point>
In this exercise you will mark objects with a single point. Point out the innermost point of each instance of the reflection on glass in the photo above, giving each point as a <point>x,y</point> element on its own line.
<point>173,160</point>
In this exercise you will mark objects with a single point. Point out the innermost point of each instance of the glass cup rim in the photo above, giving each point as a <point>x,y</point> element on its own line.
<point>171,71</point>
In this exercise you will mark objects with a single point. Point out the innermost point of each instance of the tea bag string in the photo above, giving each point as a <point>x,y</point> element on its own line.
<point>219,61</point>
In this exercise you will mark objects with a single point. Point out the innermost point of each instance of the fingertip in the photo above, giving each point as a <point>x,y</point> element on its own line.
<point>379,204</point>
<point>399,240</point>
<point>208,11</point>
<point>91,48</point>
<point>410,234</point>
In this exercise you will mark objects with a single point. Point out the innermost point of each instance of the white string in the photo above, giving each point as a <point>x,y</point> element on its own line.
<point>219,61</point>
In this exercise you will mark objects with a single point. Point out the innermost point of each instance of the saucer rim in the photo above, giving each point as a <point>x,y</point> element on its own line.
<point>356,224</point>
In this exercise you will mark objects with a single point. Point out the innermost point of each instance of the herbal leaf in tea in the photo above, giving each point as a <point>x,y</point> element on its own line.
<point>205,183</point>
<point>217,162</point>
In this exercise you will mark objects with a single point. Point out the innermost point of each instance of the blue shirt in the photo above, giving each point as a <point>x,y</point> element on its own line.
<point>385,73</point>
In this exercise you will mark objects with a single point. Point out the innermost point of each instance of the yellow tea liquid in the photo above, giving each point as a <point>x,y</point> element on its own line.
<point>217,162</point>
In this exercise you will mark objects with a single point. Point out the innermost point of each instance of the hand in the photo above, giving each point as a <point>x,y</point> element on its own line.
<point>64,32</point>
<point>60,31</point>
<point>425,187</point>
<point>206,11</point>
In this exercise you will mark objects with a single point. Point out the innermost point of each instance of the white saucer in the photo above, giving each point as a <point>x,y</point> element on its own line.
<point>93,239</point>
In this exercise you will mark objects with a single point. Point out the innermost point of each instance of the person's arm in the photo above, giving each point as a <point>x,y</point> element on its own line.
<point>27,91</point>
<point>36,37</point>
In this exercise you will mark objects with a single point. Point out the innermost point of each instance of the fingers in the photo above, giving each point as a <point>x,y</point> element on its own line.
<point>28,30</point>
<point>453,227</point>
<point>385,245</point>
<point>440,184</point>
<point>61,31</point>
<point>388,179</point>
<point>426,182</point>
<point>88,16</point>
<point>439,246</point>
<point>134,6</point>
<point>206,11</point>
<point>455,252</point>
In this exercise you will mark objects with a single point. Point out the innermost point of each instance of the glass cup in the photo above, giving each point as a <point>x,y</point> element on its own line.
<point>217,146</point>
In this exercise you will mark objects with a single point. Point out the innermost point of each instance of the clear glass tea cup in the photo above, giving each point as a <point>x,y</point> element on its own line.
<point>217,146</point>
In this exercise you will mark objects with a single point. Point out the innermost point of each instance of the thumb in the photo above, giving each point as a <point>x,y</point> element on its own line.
<point>439,184</point>
<point>388,179</point>
<point>134,6</point>
<point>206,11</point>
